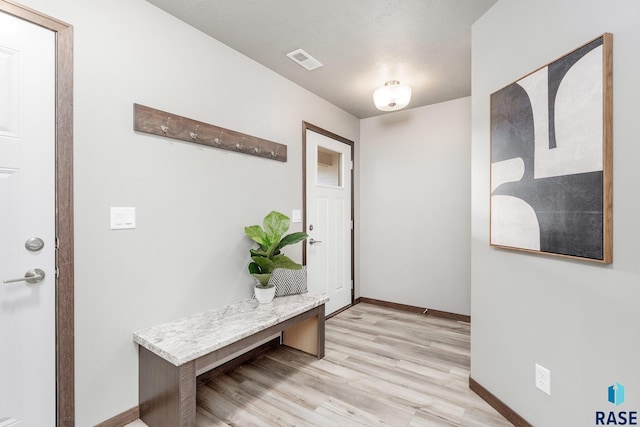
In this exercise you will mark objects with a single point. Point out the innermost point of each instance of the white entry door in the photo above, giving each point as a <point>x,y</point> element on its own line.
<point>27,221</point>
<point>328,219</point>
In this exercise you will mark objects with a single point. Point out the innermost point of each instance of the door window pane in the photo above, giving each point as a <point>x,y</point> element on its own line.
<point>329,167</point>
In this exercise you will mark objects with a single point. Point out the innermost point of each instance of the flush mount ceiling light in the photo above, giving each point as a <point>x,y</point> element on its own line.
<point>392,96</point>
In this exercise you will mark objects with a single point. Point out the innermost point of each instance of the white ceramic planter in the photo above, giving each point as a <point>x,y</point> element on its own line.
<point>265,295</point>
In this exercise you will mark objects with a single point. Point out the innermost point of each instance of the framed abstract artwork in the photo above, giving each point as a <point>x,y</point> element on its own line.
<point>551,157</point>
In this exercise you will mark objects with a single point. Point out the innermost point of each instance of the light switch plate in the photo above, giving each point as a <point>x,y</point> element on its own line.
<point>123,218</point>
<point>296,215</point>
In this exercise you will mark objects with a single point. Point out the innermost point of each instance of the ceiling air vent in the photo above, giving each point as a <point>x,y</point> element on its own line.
<point>304,59</point>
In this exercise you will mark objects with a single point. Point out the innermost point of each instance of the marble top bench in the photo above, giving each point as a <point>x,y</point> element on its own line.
<point>172,354</point>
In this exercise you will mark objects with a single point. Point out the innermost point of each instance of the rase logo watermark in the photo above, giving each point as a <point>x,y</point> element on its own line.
<point>615,396</point>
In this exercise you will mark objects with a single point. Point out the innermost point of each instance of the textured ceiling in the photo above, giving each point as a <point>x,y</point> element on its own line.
<point>361,43</point>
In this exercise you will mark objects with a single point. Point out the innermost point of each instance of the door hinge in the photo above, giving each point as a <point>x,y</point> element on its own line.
<point>352,284</point>
<point>56,243</point>
<point>57,273</point>
<point>351,164</point>
<point>351,224</point>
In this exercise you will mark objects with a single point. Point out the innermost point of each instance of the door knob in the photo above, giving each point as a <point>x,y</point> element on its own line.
<point>313,242</point>
<point>32,276</point>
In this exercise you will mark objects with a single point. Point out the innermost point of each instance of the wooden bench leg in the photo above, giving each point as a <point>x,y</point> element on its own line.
<point>167,393</point>
<point>321,337</point>
<point>307,335</point>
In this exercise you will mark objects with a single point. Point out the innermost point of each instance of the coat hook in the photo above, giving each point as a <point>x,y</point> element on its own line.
<point>258,148</point>
<point>274,154</point>
<point>194,134</point>
<point>218,140</point>
<point>165,126</point>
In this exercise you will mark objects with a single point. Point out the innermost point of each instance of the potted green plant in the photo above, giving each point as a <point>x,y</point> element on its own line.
<point>271,239</point>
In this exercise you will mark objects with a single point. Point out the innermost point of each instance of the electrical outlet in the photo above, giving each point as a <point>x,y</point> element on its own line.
<point>543,379</point>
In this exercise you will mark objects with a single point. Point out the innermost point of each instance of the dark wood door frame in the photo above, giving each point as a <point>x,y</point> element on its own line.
<point>65,410</point>
<point>308,126</point>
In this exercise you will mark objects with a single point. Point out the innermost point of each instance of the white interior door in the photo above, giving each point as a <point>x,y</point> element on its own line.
<point>27,196</point>
<point>328,219</point>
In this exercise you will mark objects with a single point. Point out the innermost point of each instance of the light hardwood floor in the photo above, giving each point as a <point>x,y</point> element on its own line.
<point>382,367</point>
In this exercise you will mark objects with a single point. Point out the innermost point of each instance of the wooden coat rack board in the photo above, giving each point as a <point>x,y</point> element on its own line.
<point>156,122</point>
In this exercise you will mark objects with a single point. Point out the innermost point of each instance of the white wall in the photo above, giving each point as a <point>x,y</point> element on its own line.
<point>578,319</point>
<point>414,188</point>
<point>188,252</point>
